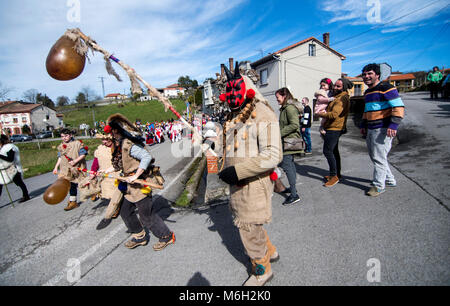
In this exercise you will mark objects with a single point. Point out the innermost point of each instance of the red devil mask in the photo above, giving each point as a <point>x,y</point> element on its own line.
<point>236,89</point>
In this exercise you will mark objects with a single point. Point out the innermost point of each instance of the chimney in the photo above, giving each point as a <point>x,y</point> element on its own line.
<point>222,70</point>
<point>231,62</point>
<point>326,39</point>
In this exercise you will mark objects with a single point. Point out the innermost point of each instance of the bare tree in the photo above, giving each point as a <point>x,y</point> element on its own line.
<point>30,95</point>
<point>4,91</point>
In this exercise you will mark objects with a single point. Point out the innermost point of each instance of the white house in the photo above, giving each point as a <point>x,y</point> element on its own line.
<point>173,91</point>
<point>299,67</point>
<point>14,115</point>
<point>115,96</point>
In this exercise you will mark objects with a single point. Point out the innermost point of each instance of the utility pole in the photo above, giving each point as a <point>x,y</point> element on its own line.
<point>103,85</point>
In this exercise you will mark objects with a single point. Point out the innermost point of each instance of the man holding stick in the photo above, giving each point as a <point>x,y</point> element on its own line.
<point>134,161</point>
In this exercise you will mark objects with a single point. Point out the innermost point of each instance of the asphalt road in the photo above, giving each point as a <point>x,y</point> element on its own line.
<point>334,236</point>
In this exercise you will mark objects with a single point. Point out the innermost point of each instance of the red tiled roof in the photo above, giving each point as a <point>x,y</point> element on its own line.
<point>401,77</point>
<point>18,107</point>
<point>113,95</point>
<point>305,41</point>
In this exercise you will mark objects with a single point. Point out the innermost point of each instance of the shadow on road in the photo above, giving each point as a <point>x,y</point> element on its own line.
<point>198,280</point>
<point>222,222</point>
<point>319,173</point>
<point>443,113</point>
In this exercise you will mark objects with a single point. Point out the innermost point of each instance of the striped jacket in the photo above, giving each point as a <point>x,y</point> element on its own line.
<point>383,107</point>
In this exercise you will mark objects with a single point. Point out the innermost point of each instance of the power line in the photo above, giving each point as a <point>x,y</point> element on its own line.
<point>379,26</point>
<point>432,41</point>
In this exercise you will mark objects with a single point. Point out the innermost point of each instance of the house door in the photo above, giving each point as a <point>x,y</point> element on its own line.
<point>16,131</point>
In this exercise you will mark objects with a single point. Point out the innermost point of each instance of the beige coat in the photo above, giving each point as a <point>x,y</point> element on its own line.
<point>254,149</point>
<point>103,155</point>
<point>71,150</point>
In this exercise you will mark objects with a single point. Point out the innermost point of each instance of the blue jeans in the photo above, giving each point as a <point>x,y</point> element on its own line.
<point>288,165</point>
<point>306,135</point>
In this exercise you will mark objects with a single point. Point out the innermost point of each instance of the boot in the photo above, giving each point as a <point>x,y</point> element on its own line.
<point>137,240</point>
<point>71,205</point>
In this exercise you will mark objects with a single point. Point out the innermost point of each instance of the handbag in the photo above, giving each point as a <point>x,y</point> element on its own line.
<point>293,144</point>
<point>278,186</point>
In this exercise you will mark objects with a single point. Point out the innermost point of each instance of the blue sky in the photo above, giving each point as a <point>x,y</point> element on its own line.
<point>165,39</point>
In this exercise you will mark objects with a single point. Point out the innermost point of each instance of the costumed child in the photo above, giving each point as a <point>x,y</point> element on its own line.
<point>99,186</point>
<point>71,155</point>
<point>132,159</point>
<point>252,149</point>
<point>324,96</point>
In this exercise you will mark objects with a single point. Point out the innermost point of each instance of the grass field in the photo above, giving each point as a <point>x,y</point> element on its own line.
<point>148,111</point>
<point>37,161</point>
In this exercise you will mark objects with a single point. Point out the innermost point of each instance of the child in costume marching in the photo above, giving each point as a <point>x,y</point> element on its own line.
<point>71,155</point>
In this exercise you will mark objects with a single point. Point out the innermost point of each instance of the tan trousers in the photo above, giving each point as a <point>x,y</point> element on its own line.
<point>257,245</point>
<point>114,204</point>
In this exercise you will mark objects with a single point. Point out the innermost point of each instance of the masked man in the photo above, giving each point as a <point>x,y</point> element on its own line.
<point>251,147</point>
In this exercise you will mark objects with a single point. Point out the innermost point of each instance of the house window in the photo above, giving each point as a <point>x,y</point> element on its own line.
<point>312,50</point>
<point>263,76</point>
<point>15,120</point>
<point>24,119</point>
<point>358,90</point>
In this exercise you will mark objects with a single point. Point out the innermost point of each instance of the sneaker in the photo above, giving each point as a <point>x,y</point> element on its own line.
<point>104,223</point>
<point>259,280</point>
<point>332,181</point>
<point>287,190</point>
<point>160,245</point>
<point>308,152</point>
<point>137,239</point>
<point>389,184</point>
<point>291,200</point>
<point>375,191</point>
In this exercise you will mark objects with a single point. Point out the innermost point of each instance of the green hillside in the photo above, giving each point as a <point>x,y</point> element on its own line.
<point>148,111</point>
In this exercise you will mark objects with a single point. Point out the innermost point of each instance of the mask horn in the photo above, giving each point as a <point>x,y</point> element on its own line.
<point>237,73</point>
<point>228,73</point>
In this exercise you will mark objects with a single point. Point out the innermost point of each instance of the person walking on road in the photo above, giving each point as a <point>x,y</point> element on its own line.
<point>434,78</point>
<point>305,125</point>
<point>251,151</point>
<point>383,112</point>
<point>336,115</point>
<point>134,161</point>
<point>9,153</point>
<point>290,134</point>
<point>71,154</point>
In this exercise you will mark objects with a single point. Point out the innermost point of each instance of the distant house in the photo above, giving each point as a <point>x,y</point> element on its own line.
<point>358,86</point>
<point>299,67</point>
<point>115,96</point>
<point>173,91</point>
<point>15,115</point>
<point>403,82</point>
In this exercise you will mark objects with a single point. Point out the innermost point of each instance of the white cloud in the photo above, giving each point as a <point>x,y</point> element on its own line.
<point>357,12</point>
<point>162,40</point>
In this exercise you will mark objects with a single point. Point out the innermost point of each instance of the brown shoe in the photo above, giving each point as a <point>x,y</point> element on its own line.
<point>332,181</point>
<point>160,245</point>
<point>137,239</point>
<point>71,205</point>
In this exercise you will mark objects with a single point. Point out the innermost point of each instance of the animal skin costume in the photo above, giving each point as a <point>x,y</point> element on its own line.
<point>252,150</point>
